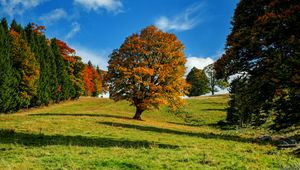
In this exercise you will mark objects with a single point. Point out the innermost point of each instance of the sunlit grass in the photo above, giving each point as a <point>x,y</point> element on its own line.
<point>100,134</point>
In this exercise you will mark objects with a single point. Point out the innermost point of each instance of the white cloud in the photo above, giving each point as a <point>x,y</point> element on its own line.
<point>97,58</point>
<point>110,5</point>
<point>75,29</point>
<point>198,62</point>
<point>181,22</point>
<point>17,7</point>
<point>53,16</point>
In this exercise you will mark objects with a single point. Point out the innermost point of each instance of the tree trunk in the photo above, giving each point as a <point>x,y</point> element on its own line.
<point>138,113</point>
<point>212,92</point>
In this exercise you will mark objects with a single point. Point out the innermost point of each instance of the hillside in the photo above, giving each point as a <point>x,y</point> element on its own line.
<point>94,133</point>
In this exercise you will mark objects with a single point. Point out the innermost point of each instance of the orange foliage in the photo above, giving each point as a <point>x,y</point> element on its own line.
<point>38,29</point>
<point>66,51</point>
<point>92,80</point>
<point>87,74</point>
<point>148,70</point>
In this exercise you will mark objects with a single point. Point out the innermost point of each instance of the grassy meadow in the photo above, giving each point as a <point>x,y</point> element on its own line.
<point>94,133</point>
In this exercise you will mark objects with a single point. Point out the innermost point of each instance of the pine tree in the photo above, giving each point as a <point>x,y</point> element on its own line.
<point>8,83</point>
<point>64,90</point>
<point>24,62</point>
<point>43,55</point>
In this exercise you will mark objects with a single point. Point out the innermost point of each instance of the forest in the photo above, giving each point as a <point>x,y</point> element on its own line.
<point>37,71</point>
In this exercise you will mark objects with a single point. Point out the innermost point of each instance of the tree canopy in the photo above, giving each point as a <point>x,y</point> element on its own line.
<point>213,82</point>
<point>198,81</point>
<point>147,70</point>
<point>264,49</point>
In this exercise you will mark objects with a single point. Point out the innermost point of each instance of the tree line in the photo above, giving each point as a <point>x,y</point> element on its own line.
<point>35,70</point>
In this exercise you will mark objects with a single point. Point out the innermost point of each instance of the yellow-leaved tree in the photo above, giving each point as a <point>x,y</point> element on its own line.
<point>147,70</point>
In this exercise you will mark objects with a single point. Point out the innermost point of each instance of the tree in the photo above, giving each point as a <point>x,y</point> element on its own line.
<point>213,81</point>
<point>26,66</point>
<point>92,80</point>
<point>47,82</point>
<point>65,88</point>
<point>264,48</point>
<point>147,70</point>
<point>8,83</point>
<point>198,81</point>
<point>97,79</point>
<point>88,77</point>
<point>75,71</point>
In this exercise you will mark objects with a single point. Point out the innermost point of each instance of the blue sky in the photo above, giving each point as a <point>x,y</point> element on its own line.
<point>95,27</point>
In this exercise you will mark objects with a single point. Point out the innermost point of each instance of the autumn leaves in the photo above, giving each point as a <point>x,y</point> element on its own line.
<point>147,70</point>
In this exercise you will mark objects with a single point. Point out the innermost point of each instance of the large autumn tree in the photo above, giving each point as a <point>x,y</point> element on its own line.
<point>147,70</point>
<point>264,49</point>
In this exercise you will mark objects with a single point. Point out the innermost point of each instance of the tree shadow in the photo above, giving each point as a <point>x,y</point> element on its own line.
<point>81,114</point>
<point>214,125</point>
<point>8,136</point>
<point>212,103</point>
<point>175,132</point>
<point>222,110</point>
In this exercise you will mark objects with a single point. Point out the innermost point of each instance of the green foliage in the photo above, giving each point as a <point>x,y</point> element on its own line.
<point>65,88</point>
<point>214,83</point>
<point>8,83</point>
<point>26,66</point>
<point>33,69</point>
<point>198,81</point>
<point>264,46</point>
<point>47,68</point>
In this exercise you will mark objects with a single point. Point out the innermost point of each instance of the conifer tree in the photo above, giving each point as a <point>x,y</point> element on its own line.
<point>27,67</point>
<point>8,83</point>
<point>43,53</point>
<point>65,87</point>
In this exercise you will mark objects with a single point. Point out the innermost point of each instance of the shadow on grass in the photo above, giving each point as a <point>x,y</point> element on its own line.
<point>221,110</point>
<point>213,103</point>
<point>214,125</point>
<point>80,114</point>
<point>176,132</point>
<point>8,136</point>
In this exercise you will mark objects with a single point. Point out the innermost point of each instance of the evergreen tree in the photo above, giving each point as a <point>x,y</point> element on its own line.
<point>65,88</point>
<point>8,83</point>
<point>264,47</point>
<point>15,26</point>
<point>78,84</point>
<point>43,54</point>
<point>198,81</point>
<point>27,67</point>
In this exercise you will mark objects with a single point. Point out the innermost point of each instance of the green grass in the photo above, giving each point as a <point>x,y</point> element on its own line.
<point>100,134</point>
